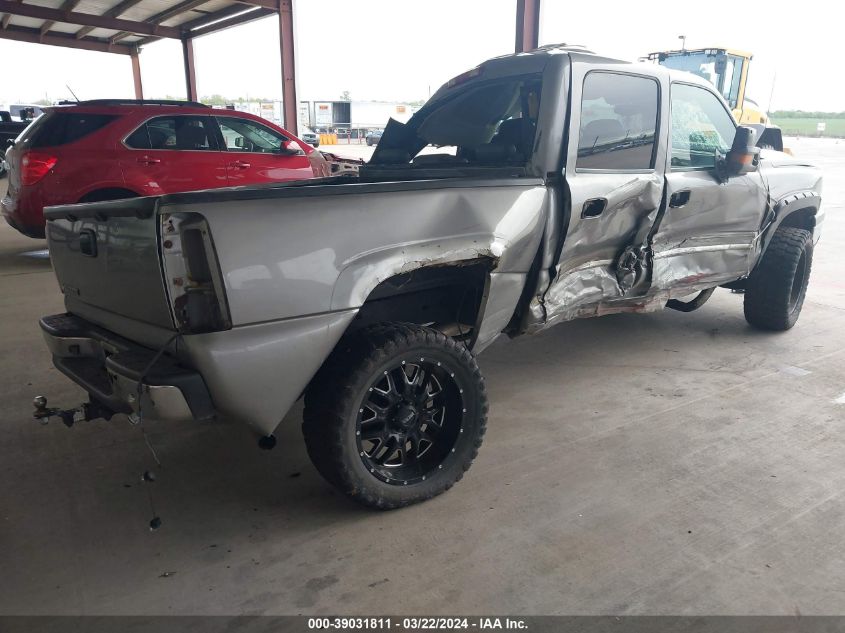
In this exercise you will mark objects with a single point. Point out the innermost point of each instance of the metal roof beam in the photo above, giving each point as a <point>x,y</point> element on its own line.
<point>87,19</point>
<point>172,12</point>
<point>69,5</point>
<point>230,11</point>
<point>4,22</point>
<point>212,26</point>
<point>267,4</point>
<point>34,36</point>
<point>115,12</point>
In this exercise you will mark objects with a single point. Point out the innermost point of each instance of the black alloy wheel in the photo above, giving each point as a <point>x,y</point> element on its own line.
<point>396,415</point>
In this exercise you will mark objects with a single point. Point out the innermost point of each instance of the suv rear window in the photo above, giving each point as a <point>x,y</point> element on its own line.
<point>61,128</point>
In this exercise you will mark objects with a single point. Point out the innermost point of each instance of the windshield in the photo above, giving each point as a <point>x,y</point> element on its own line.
<point>700,64</point>
<point>722,70</point>
<point>482,123</point>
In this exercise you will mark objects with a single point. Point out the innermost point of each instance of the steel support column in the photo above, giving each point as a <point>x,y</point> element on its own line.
<point>136,76</point>
<point>527,25</point>
<point>190,72</point>
<point>289,103</point>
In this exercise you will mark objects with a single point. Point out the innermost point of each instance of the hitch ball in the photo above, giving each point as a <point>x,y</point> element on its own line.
<point>39,402</point>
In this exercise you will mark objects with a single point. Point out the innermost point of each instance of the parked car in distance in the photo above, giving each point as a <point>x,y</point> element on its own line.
<point>23,111</point>
<point>566,185</point>
<point>310,137</point>
<point>111,149</point>
<point>373,137</point>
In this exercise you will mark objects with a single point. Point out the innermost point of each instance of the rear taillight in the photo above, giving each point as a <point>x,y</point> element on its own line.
<point>194,283</point>
<point>36,165</point>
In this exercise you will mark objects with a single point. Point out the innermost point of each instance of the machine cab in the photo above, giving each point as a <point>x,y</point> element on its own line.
<point>726,69</point>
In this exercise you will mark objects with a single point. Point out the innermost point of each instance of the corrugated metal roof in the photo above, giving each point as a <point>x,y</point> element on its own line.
<point>121,26</point>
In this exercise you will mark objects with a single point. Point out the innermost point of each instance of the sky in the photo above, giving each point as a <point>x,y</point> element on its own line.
<point>402,50</point>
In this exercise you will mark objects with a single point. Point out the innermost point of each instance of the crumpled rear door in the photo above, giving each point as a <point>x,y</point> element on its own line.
<point>614,179</point>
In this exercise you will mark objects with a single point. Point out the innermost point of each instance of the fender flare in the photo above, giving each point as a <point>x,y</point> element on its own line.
<point>787,207</point>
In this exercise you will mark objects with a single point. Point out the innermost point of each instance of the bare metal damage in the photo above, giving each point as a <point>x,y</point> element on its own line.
<point>582,286</point>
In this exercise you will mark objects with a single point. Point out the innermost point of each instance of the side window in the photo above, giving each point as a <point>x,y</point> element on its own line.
<point>61,128</point>
<point>243,135</point>
<point>700,127</point>
<point>174,132</point>
<point>618,122</point>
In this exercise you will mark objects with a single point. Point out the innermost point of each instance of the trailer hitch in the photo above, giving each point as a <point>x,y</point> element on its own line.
<point>85,412</point>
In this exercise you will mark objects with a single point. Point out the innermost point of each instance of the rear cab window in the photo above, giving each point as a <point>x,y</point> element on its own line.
<point>619,118</point>
<point>480,123</point>
<point>61,128</point>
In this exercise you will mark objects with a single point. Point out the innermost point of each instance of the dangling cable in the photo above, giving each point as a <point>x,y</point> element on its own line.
<point>149,477</point>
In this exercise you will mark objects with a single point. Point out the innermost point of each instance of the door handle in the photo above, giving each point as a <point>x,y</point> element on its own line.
<point>593,207</point>
<point>146,160</point>
<point>679,198</point>
<point>239,164</point>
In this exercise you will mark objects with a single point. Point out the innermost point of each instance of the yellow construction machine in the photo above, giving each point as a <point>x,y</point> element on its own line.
<point>727,70</point>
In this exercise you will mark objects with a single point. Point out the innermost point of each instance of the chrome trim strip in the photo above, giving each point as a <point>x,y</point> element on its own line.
<point>700,249</point>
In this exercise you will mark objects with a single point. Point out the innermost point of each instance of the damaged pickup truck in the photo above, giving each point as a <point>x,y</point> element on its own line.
<point>534,189</point>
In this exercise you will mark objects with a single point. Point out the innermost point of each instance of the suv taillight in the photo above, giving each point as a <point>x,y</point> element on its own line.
<point>36,165</point>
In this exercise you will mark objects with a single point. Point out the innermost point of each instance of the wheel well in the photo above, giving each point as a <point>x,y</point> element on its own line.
<point>448,298</point>
<point>801,219</point>
<point>109,193</point>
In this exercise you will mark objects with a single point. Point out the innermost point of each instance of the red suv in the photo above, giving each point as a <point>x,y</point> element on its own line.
<point>107,149</point>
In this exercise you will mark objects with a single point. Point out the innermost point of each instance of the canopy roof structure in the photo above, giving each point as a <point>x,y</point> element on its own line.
<point>125,26</point>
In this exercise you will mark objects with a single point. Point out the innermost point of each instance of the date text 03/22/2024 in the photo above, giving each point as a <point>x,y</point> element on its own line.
<point>416,624</point>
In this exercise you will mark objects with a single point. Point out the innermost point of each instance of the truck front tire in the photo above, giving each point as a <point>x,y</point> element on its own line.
<point>776,289</point>
<point>396,415</point>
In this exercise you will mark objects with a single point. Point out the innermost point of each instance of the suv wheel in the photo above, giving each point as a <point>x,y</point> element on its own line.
<point>396,415</point>
<point>776,289</point>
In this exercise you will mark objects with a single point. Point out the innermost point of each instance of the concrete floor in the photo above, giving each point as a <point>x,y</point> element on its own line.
<point>669,463</point>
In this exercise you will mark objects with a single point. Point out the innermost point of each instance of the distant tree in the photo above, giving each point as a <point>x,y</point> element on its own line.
<point>344,96</point>
<point>802,114</point>
<point>215,99</point>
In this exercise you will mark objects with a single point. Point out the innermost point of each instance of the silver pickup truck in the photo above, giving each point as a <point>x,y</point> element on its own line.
<point>534,189</point>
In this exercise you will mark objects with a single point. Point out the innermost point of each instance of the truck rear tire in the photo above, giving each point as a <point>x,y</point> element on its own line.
<point>396,415</point>
<point>776,289</point>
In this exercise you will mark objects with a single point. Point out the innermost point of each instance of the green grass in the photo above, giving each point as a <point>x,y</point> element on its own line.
<point>807,127</point>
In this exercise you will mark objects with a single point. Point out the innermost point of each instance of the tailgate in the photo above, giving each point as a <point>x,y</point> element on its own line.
<point>106,255</point>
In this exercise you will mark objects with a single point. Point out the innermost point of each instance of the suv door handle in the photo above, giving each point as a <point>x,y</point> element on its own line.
<point>146,160</point>
<point>239,164</point>
<point>679,198</point>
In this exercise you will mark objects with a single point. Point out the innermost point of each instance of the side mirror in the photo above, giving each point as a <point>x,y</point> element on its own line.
<point>290,148</point>
<point>239,141</point>
<point>744,155</point>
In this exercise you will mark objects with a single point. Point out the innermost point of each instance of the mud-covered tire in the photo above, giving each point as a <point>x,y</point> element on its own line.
<point>776,289</point>
<point>363,372</point>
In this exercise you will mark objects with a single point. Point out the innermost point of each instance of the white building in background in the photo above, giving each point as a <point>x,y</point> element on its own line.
<point>334,115</point>
<point>369,115</point>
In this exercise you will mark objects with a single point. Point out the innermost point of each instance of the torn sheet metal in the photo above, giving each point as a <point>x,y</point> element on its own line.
<point>593,269</point>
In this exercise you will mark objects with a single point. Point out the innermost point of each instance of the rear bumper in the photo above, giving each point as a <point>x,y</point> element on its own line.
<point>21,217</point>
<point>110,368</point>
